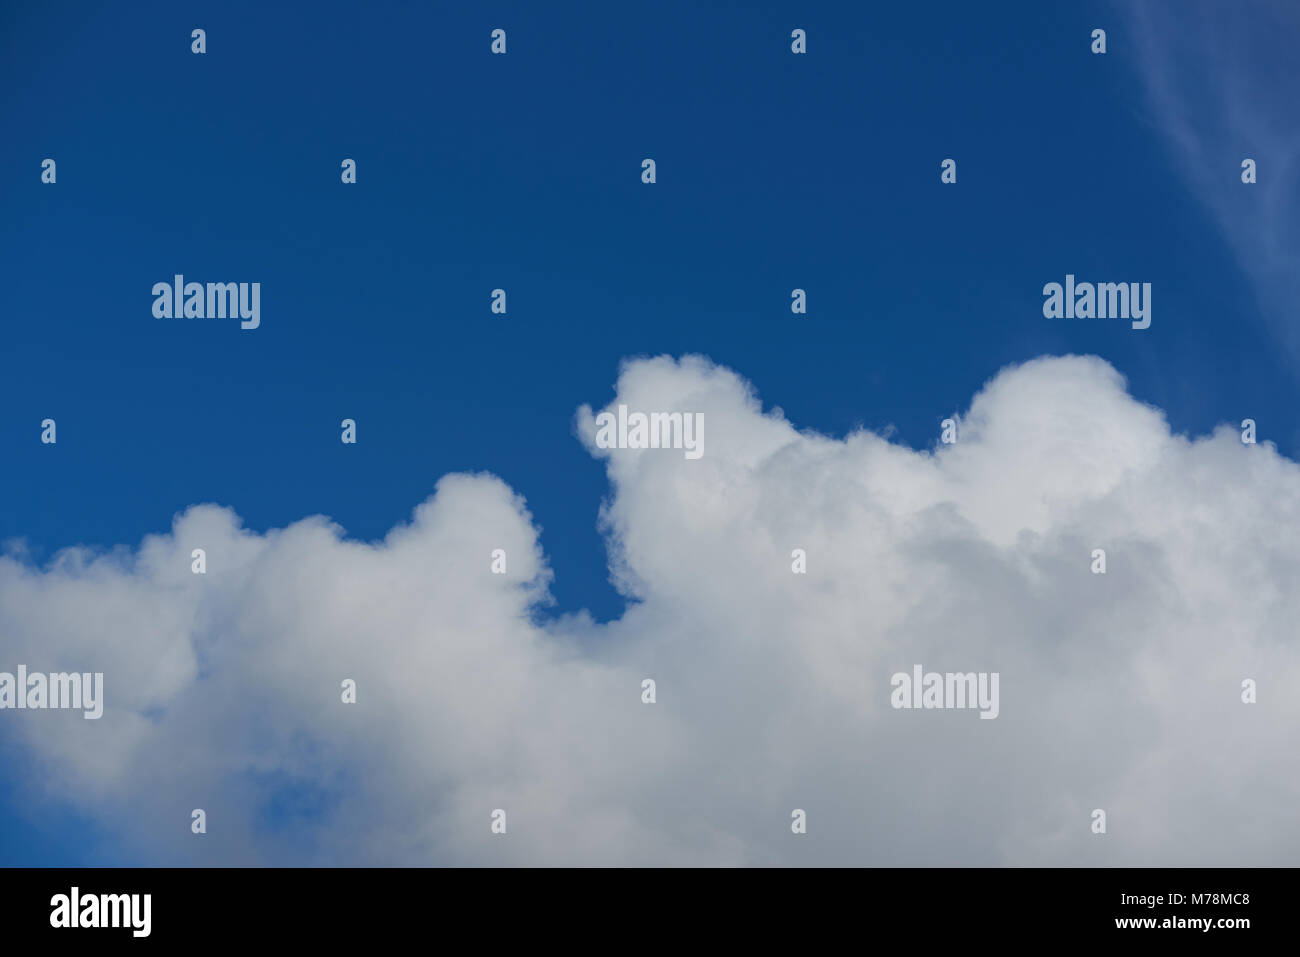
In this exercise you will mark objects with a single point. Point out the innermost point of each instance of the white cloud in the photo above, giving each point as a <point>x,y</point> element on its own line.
<point>1118,691</point>
<point>1220,81</point>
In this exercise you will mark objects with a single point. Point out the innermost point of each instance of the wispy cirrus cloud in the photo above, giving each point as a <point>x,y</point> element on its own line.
<point>1220,81</point>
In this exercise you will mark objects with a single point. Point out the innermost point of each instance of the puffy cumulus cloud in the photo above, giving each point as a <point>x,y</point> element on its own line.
<point>1118,691</point>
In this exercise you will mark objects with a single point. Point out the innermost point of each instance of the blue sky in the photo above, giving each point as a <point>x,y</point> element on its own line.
<point>522,172</point>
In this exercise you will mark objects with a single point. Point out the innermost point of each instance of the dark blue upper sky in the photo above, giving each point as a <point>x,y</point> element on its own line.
<point>522,171</point>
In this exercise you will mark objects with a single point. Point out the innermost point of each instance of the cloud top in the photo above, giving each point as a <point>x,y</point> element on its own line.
<point>1119,691</point>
